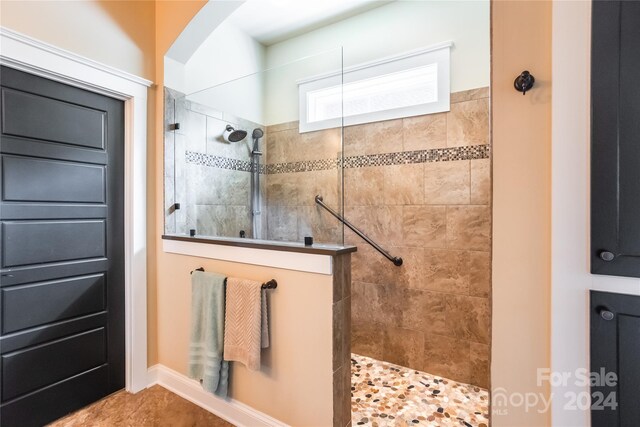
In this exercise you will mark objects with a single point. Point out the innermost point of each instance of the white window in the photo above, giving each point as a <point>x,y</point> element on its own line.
<point>409,84</point>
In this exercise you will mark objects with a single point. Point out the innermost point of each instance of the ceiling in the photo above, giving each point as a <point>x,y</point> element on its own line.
<point>272,21</point>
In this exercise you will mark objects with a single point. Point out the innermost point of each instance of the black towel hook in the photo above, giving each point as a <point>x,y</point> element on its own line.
<point>524,82</point>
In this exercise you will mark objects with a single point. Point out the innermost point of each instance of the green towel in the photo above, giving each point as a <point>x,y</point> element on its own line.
<point>207,332</point>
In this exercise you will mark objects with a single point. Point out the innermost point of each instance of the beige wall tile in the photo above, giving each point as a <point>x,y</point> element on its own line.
<point>468,95</point>
<point>424,132</point>
<point>433,312</point>
<point>371,303</point>
<point>403,346</point>
<point>282,189</point>
<point>327,183</point>
<point>373,138</point>
<point>480,365</point>
<point>468,123</point>
<point>447,183</point>
<point>446,271</point>
<point>341,402</point>
<point>480,274</point>
<point>364,186</point>
<point>481,182</point>
<point>381,223</point>
<point>282,223</point>
<point>411,273</point>
<point>449,357</point>
<point>468,318</point>
<point>282,126</point>
<point>469,227</point>
<point>422,311</point>
<point>342,390</point>
<point>323,144</point>
<point>424,226</point>
<point>316,222</point>
<point>194,127</point>
<point>341,277</point>
<point>367,338</point>
<point>403,185</point>
<point>291,146</point>
<point>341,315</point>
<point>368,265</point>
<point>280,146</point>
<point>372,267</point>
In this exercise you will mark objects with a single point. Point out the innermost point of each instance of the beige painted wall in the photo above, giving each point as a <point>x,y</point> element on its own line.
<point>295,383</point>
<point>116,33</point>
<point>521,200</point>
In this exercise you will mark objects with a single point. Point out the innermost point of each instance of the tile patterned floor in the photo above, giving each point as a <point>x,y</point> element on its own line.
<point>384,394</point>
<point>153,407</point>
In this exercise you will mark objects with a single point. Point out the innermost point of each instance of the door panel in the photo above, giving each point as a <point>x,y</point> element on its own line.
<point>87,294</point>
<point>37,117</point>
<point>630,129</point>
<point>50,210</point>
<point>38,242</point>
<point>615,348</point>
<point>59,398</point>
<point>62,241</point>
<point>42,272</point>
<point>629,366</point>
<point>45,149</point>
<point>615,138</point>
<point>31,369</point>
<point>51,331</point>
<point>36,180</point>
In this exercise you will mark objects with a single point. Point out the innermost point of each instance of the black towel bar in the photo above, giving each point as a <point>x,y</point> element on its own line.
<point>271,284</point>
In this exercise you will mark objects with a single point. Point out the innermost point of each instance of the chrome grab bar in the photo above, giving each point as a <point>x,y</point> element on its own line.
<point>395,260</point>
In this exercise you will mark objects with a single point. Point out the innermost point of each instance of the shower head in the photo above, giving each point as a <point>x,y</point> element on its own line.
<point>232,135</point>
<point>257,133</point>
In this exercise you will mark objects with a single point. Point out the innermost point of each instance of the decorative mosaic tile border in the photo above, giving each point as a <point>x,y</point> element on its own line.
<point>449,154</point>
<point>304,166</point>
<point>220,162</point>
<point>471,152</point>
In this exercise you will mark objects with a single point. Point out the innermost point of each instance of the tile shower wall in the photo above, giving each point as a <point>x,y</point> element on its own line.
<point>420,186</point>
<point>299,167</point>
<point>209,177</point>
<point>433,313</point>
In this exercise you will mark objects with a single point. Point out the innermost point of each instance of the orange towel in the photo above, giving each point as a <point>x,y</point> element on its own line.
<point>243,322</point>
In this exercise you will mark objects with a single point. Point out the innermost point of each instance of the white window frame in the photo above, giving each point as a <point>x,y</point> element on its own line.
<point>439,54</point>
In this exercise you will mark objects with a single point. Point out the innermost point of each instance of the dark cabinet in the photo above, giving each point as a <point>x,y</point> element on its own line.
<point>615,138</point>
<point>615,348</point>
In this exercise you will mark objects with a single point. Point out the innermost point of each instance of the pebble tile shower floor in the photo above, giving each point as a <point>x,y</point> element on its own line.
<point>384,394</point>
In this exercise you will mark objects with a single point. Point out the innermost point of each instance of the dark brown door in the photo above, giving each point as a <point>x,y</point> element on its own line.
<point>62,243</point>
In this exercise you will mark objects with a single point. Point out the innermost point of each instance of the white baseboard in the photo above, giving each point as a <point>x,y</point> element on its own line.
<point>235,412</point>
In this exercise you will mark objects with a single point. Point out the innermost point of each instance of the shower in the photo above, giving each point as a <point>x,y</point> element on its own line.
<point>255,183</point>
<point>233,135</point>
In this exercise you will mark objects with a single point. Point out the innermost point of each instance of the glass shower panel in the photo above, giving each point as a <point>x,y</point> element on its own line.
<point>241,166</point>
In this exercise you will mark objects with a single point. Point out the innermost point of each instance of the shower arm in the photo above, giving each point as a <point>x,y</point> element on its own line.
<point>397,261</point>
